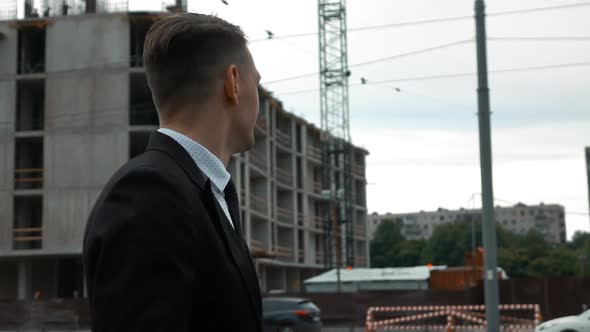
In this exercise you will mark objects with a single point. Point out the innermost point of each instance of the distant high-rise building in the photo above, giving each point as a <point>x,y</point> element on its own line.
<point>547,219</point>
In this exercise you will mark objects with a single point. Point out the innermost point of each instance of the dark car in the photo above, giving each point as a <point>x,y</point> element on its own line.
<point>288,314</point>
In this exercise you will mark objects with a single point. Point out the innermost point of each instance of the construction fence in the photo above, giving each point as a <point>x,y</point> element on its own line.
<point>556,297</point>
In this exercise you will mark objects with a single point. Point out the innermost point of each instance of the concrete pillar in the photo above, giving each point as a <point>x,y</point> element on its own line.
<point>24,280</point>
<point>84,289</point>
<point>284,284</point>
<point>263,276</point>
<point>90,6</point>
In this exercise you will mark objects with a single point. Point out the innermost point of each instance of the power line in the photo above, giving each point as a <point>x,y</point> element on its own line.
<point>391,57</point>
<point>563,38</point>
<point>498,71</point>
<point>371,27</point>
<point>291,78</point>
<point>439,47</point>
<point>421,51</point>
<point>456,75</point>
<point>538,9</point>
<point>434,20</point>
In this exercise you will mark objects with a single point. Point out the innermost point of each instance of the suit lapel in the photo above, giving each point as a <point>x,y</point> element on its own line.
<point>234,242</point>
<point>237,248</point>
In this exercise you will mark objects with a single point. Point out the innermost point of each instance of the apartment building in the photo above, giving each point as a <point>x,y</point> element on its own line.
<point>75,106</point>
<point>547,219</point>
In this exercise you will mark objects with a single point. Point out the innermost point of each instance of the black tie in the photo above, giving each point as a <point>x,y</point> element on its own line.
<point>231,197</point>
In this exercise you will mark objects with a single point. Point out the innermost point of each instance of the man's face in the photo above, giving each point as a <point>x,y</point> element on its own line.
<point>248,104</point>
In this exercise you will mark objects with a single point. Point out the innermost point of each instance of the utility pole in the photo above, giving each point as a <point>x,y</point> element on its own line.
<point>485,150</point>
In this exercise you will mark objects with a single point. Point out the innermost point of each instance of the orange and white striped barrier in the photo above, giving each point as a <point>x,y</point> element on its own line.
<point>467,313</point>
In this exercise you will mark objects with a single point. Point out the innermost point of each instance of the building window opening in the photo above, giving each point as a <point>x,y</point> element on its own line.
<point>31,50</point>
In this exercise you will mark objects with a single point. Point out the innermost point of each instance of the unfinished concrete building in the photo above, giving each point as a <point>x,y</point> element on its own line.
<point>75,106</point>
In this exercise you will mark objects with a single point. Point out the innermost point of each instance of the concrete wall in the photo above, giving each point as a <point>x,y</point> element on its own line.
<point>8,53</point>
<point>77,42</point>
<point>8,61</point>
<point>86,136</point>
<point>351,287</point>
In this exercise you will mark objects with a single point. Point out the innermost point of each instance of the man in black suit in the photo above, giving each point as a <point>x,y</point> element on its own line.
<point>163,247</point>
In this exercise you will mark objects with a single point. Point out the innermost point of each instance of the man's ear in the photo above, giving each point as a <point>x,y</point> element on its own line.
<point>232,88</point>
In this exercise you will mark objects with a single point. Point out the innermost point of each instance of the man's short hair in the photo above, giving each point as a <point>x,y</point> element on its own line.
<point>185,53</point>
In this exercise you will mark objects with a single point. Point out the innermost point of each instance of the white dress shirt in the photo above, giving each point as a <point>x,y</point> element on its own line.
<point>209,164</point>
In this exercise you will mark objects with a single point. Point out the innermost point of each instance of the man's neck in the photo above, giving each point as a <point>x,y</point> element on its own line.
<point>215,144</point>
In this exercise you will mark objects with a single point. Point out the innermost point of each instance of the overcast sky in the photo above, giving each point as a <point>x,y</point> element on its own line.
<point>423,140</point>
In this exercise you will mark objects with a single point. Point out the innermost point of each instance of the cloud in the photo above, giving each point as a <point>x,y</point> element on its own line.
<point>411,170</point>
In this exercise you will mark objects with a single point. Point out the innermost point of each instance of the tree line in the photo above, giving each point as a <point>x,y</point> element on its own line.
<point>520,255</point>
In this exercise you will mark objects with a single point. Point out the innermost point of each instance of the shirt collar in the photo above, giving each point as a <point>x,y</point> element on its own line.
<point>209,164</point>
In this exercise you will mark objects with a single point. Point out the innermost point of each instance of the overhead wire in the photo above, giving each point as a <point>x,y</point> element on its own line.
<point>435,48</point>
<point>435,20</point>
<point>453,75</point>
<point>561,38</point>
<point>387,58</point>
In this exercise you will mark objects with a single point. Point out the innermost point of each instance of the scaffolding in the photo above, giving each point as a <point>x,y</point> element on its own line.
<point>115,6</point>
<point>112,6</point>
<point>8,9</point>
<point>63,7</point>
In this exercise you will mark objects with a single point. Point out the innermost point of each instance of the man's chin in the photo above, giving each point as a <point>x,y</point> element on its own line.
<point>248,144</point>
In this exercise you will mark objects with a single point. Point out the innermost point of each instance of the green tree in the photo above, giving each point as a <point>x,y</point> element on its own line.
<point>449,243</point>
<point>410,253</point>
<point>580,244</point>
<point>520,255</point>
<point>384,248</point>
<point>514,261</point>
<point>580,240</point>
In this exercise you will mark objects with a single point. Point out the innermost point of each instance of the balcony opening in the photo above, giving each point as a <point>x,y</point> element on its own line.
<point>138,30</point>
<point>259,234</point>
<point>299,138</point>
<point>30,104</point>
<point>285,206</point>
<point>284,170</point>
<point>258,156</point>
<point>138,143</point>
<point>283,248</point>
<point>262,120</point>
<point>142,111</point>
<point>28,227</point>
<point>359,193</point>
<point>300,247</point>
<point>258,196</point>
<point>28,163</point>
<point>31,50</point>
<point>70,276</point>
<point>283,135</point>
<point>299,170</point>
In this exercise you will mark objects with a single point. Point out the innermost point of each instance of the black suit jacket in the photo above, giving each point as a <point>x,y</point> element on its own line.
<point>160,255</point>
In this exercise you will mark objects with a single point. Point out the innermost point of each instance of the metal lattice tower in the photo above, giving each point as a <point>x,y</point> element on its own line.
<point>334,69</point>
<point>336,147</point>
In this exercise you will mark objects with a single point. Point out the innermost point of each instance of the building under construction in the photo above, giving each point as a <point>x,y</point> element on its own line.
<point>75,106</point>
